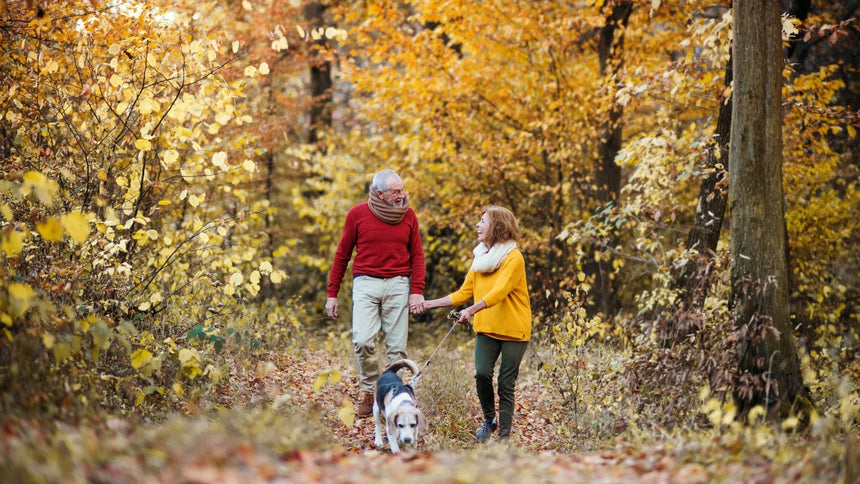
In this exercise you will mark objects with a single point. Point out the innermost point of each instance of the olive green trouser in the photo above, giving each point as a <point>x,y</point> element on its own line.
<point>487,351</point>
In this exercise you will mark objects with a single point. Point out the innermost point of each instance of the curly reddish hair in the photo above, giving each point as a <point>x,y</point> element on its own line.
<point>503,225</point>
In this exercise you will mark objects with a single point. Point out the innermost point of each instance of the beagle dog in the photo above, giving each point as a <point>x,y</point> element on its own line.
<point>395,409</point>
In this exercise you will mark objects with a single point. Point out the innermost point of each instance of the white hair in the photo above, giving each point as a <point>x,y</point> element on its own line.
<point>382,180</point>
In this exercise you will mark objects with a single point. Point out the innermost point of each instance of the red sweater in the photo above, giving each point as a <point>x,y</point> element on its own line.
<point>381,250</point>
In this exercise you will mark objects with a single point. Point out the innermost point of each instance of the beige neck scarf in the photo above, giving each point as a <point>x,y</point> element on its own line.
<point>489,259</point>
<point>385,212</point>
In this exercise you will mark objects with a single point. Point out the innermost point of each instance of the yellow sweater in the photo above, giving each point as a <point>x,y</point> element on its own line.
<point>508,315</point>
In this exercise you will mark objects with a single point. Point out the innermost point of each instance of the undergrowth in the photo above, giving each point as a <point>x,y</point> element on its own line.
<point>572,398</point>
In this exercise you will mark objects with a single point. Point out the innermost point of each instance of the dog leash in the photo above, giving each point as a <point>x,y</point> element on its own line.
<point>455,315</point>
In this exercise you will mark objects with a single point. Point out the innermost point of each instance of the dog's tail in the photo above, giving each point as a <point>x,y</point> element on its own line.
<point>403,363</point>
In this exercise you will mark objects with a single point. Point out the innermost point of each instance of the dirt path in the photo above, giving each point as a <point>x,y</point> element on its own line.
<point>530,456</point>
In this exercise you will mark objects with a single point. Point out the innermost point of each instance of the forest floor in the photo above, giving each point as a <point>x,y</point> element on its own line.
<point>281,425</point>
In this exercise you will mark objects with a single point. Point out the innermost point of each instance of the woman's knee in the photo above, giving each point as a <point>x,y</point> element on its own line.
<point>484,376</point>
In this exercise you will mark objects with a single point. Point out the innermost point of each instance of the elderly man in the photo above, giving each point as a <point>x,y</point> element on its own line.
<point>388,277</point>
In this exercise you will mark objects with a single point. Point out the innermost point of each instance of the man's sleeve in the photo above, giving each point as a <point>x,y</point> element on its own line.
<point>416,259</point>
<point>342,255</point>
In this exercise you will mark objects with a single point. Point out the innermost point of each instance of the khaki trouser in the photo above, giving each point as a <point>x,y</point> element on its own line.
<point>378,304</point>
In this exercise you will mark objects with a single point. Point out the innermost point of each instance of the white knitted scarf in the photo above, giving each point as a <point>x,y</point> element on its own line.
<point>489,260</point>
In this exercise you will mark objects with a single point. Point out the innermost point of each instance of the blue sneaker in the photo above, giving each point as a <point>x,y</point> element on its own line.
<point>486,431</point>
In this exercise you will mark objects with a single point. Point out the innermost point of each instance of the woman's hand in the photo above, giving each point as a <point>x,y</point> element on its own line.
<point>464,317</point>
<point>466,314</point>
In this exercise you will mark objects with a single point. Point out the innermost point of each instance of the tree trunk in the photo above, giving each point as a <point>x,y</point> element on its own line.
<point>321,83</point>
<point>608,173</point>
<point>769,368</point>
<point>711,206</point>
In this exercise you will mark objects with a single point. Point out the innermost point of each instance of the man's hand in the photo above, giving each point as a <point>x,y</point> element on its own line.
<point>331,307</point>
<point>416,303</point>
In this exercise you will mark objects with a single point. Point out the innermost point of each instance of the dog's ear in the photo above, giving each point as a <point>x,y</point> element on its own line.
<point>391,420</point>
<point>421,429</point>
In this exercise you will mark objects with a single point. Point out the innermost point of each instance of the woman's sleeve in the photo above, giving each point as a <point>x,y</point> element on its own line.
<point>464,294</point>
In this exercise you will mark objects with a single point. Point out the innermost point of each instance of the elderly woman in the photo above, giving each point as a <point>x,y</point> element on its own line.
<point>496,282</point>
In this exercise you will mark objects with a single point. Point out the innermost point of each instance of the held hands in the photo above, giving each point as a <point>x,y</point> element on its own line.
<point>416,303</point>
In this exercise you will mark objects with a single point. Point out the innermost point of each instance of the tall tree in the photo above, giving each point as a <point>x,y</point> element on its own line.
<point>320,77</point>
<point>711,206</point>
<point>769,367</point>
<point>608,174</point>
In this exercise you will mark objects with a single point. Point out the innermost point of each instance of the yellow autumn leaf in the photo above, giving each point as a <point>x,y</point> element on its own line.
<point>116,80</point>
<point>8,214</point>
<point>12,243</point>
<point>20,297</point>
<point>249,166</point>
<point>277,277</point>
<point>250,71</point>
<point>43,187</point>
<point>143,145</point>
<point>320,381</point>
<point>755,413</point>
<point>114,49</point>
<point>178,390</point>
<point>220,160</point>
<point>346,413</point>
<point>214,373</point>
<point>187,355</point>
<point>48,339</point>
<point>790,423</point>
<point>77,225</point>
<point>327,376</point>
<point>140,357</point>
<point>254,277</point>
<point>190,362</point>
<point>301,31</point>
<point>236,279</point>
<point>264,69</point>
<point>50,230</point>
<point>266,267</point>
<point>280,44</point>
<point>169,157</point>
<point>62,351</point>
<point>235,46</point>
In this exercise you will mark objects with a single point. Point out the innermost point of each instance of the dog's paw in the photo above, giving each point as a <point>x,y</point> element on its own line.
<point>378,442</point>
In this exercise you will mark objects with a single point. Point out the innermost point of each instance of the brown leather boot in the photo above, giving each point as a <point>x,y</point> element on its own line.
<point>365,405</point>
